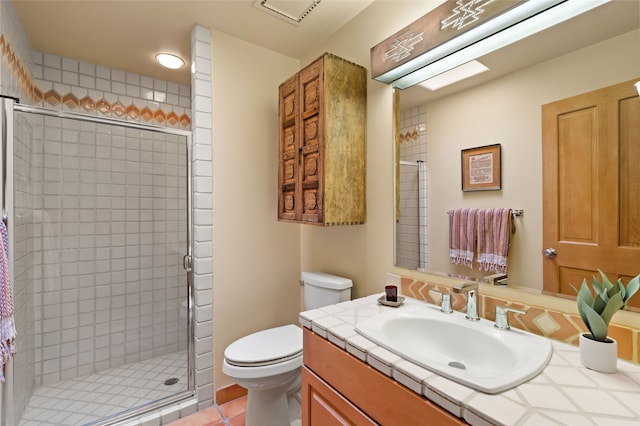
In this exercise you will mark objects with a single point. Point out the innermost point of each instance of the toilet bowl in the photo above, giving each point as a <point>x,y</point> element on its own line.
<point>268,363</point>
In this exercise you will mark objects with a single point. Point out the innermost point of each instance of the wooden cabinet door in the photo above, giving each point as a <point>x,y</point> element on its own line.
<point>288,195</point>
<point>591,187</point>
<point>301,138</point>
<point>323,406</point>
<point>312,140</point>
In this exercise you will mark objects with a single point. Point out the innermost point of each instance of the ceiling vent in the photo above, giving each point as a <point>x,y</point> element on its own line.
<point>291,11</point>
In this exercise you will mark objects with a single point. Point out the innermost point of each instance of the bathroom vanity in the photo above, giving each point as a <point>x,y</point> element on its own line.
<point>339,388</point>
<point>348,379</point>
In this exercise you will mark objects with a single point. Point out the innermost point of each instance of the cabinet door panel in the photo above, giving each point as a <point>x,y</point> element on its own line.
<point>289,145</point>
<point>323,406</point>
<point>311,87</point>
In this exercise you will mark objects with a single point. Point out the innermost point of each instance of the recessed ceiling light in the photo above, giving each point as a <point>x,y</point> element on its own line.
<point>169,61</point>
<point>454,75</point>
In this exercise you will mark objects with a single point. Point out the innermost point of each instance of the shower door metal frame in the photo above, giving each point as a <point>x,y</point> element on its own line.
<point>9,106</point>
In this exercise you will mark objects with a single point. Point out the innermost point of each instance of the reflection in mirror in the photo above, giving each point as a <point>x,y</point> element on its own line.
<point>411,241</point>
<point>503,105</point>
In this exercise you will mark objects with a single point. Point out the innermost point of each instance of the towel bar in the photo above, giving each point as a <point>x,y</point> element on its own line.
<point>515,212</point>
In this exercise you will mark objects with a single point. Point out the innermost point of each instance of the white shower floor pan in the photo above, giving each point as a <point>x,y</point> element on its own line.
<point>89,398</point>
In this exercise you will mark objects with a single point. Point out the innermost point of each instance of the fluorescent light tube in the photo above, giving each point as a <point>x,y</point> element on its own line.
<point>454,75</point>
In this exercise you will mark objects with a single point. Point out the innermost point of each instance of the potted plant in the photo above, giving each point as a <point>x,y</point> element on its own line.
<point>597,350</point>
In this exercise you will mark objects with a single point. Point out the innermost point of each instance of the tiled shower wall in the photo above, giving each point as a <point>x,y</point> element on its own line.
<point>14,65</point>
<point>410,252</point>
<point>113,226</point>
<point>113,223</point>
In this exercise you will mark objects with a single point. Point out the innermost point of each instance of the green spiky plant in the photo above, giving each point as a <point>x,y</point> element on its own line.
<point>596,312</point>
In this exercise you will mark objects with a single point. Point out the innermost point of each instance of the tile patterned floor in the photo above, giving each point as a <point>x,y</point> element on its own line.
<point>231,413</point>
<point>88,398</point>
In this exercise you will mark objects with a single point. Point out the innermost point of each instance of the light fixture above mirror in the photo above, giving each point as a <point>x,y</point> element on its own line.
<point>412,55</point>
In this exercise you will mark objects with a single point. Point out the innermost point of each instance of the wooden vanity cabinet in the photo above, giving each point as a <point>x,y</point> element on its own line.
<point>339,389</point>
<point>322,144</point>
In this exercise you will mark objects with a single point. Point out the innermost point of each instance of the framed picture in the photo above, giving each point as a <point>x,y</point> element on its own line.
<point>481,168</point>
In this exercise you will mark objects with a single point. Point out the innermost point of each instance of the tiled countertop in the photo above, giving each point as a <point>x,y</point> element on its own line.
<point>565,393</point>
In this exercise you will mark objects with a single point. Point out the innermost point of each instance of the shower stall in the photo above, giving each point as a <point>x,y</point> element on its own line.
<point>411,230</point>
<point>99,218</point>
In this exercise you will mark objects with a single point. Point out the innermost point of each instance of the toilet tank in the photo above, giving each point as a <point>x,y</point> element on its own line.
<point>322,289</point>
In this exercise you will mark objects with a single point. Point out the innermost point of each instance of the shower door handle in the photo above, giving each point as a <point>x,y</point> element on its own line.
<point>187,262</point>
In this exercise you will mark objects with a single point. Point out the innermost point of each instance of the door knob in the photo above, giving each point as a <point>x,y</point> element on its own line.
<point>550,252</point>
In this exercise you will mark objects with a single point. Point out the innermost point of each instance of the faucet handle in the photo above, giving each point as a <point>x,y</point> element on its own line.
<point>445,304</point>
<point>502,316</point>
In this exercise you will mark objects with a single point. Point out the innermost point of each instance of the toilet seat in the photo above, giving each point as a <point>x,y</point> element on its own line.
<point>266,347</point>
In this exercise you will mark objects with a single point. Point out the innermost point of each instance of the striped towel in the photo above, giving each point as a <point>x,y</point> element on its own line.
<point>7,325</point>
<point>494,232</point>
<point>462,236</point>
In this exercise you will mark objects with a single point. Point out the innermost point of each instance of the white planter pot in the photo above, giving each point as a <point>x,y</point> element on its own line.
<point>599,356</point>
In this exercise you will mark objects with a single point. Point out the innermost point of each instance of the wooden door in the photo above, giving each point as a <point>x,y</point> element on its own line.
<point>591,187</point>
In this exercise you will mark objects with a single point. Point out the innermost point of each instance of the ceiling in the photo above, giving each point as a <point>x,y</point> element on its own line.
<point>126,35</point>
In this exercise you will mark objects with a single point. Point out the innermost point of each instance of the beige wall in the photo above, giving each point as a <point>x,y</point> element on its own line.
<point>364,253</point>
<point>256,259</point>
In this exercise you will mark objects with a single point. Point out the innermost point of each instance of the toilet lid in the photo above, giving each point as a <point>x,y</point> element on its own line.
<point>266,347</point>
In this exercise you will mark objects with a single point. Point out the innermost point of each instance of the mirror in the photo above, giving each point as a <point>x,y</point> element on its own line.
<point>501,106</point>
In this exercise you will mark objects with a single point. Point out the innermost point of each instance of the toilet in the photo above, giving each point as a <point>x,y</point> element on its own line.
<point>268,363</point>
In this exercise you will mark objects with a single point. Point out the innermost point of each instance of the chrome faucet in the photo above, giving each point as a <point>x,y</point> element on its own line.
<point>472,299</point>
<point>502,316</point>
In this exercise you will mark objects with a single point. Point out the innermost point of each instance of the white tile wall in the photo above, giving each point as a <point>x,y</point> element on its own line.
<point>202,211</point>
<point>82,79</point>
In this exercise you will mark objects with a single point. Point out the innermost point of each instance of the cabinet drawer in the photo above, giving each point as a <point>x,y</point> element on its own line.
<point>323,406</point>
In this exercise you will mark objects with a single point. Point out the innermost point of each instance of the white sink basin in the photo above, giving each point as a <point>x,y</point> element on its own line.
<point>473,353</point>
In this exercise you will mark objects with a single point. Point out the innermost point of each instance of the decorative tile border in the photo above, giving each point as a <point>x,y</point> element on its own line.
<point>411,136</point>
<point>21,73</point>
<point>116,109</point>
<point>86,104</point>
<point>553,324</point>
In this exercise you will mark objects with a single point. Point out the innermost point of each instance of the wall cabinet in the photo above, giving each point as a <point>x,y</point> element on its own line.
<point>338,388</point>
<point>322,164</point>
